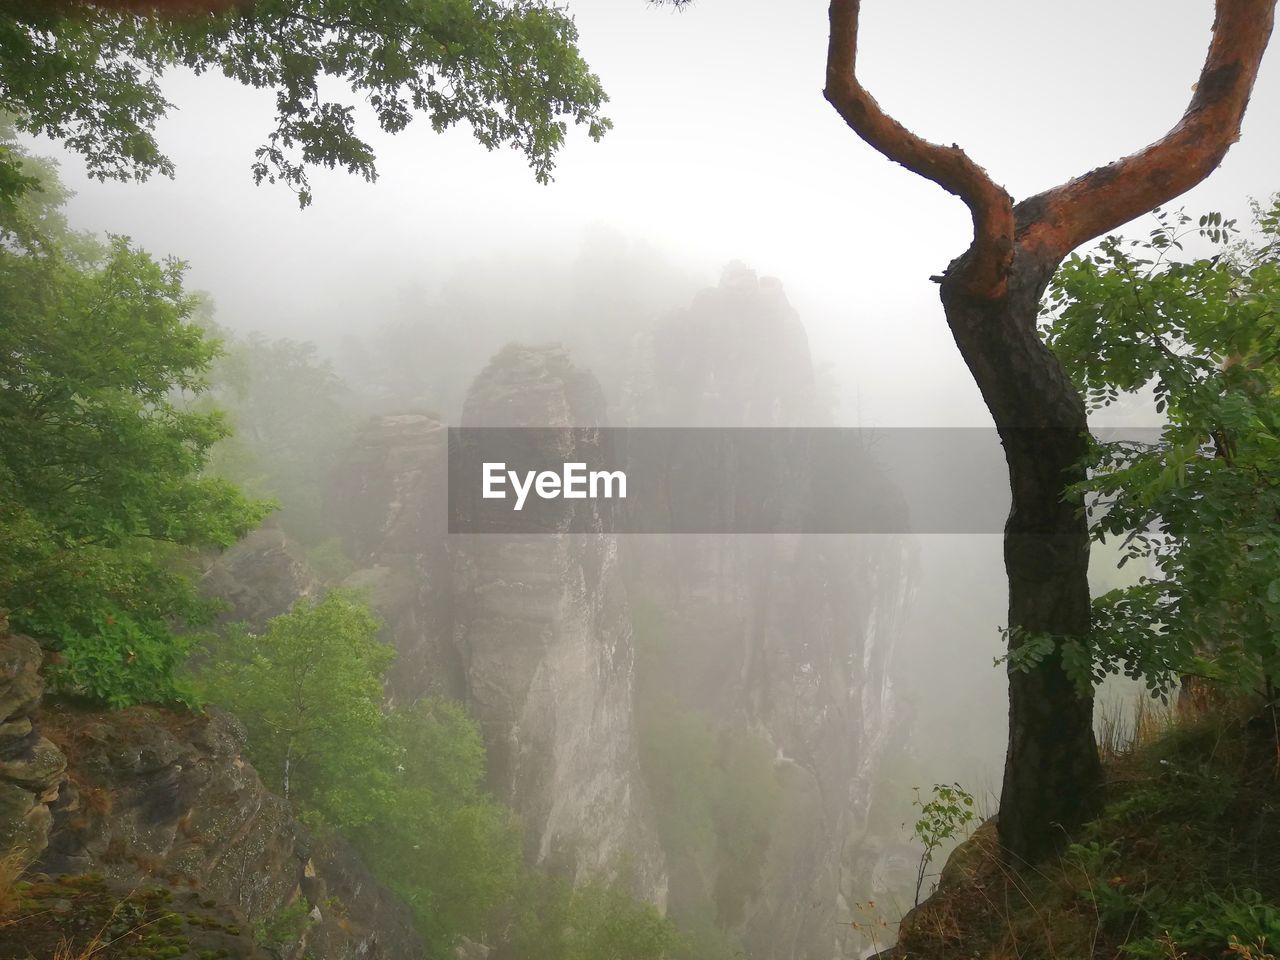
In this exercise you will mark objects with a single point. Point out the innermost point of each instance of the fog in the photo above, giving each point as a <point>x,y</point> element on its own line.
<point>723,152</point>
<point>723,148</point>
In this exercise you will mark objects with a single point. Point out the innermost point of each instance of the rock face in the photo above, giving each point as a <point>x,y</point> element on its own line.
<point>532,633</point>
<point>387,498</point>
<point>738,356</point>
<point>781,643</point>
<point>545,629</point>
<point>157,795</point>
<point>260,577</point>
<point>781,638</point>
<point>31,767</point>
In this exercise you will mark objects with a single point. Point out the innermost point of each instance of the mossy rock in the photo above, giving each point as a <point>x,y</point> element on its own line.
<point>85,915</point>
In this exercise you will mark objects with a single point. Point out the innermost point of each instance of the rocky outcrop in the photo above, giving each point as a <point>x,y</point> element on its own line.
<point>545,631</point>
<point>31,767</point>
<point>782,638</point>
<point>154,795</point>
<point>387,500</point>
<point>783,641</point>
<point>129,811</point>
<point>531,632</point>
<point>89,916</point>
<point>259,578</point>
<point>738,356</point>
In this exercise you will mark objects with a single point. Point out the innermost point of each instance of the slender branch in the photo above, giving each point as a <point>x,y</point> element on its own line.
<point>950,167</point>
<point>1055,222</point>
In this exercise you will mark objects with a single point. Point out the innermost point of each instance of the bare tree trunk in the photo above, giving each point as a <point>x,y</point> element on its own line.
<point>1052,773</point>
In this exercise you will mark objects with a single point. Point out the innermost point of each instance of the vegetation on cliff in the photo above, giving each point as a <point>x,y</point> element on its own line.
<point>1183,863</point>
<point>406,786</point>
<point>1184,860</point>
<point>104,496</point>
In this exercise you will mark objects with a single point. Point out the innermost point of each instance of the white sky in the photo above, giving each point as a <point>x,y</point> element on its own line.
<point>723,148</point>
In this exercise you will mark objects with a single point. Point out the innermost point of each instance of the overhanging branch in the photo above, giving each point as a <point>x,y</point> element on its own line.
<point>987,265</point>
<point>1057,221</point>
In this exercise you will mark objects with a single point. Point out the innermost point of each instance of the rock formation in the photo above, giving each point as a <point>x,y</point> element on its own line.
<point>546,632</point>
<point>144,805</point>
<point>783,638</point>
<point>783,641</point>
<point>387,501</point>
<point>259,578</point>
<point>532,633</point>
<point>31,767</point>
<point>155,795</point>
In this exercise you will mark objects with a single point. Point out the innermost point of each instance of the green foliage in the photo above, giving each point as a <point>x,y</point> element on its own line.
<point>285,926</point>
<point>1182,864</point>
<point>1171,866</point>
<point>716,797</point>
<point>944,818</point>
<point>330,561</point>
<point>596,921</point>
<point>87,74</point>
<point>1200,503</point>
<point>405,786</point>
<point>446,847</point>
<point>1215,924</point>
<point>103,495</point>
<point>309,690</point>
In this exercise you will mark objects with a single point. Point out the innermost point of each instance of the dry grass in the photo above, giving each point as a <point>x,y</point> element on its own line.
<point>1125,725</point>
<point>12,866</point>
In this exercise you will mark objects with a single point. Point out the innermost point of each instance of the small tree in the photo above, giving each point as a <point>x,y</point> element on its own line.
<point>102,490</point>
<point>309,690</point>
<point>405,786</point>
<point>1201,502</point>
<point>944,817</point>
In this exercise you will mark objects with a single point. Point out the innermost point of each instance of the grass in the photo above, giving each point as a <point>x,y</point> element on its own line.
<point>88,918</point>
<point>1184,863</point>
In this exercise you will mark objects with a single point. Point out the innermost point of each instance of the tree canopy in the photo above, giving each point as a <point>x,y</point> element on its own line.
<point>88,74</point>
<point>103,494</point>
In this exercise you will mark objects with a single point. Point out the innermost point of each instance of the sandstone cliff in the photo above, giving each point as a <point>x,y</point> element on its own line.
<point>155,795</point>
<point>532,633</point>
<point>387,502</point>
<point>144,804</point>
<point>546,632</point>
<point>785,639</point>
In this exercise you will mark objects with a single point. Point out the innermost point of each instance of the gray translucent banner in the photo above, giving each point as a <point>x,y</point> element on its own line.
<point>733,480</point>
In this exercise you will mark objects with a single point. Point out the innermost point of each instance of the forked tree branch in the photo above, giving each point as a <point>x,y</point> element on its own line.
<point>1057,221</point>
<point>948,167</point>
<point>1052,224</point>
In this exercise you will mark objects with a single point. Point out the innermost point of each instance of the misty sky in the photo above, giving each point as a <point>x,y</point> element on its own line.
<point>723,148</point>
